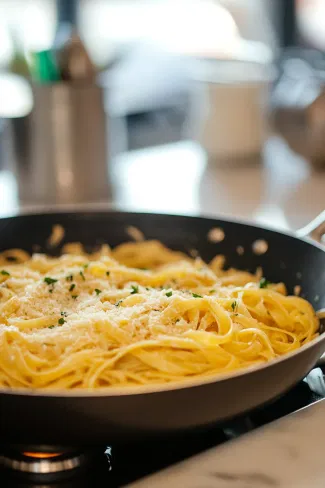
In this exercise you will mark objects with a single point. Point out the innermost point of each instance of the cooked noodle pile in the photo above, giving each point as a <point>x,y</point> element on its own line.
<point>136,315</point>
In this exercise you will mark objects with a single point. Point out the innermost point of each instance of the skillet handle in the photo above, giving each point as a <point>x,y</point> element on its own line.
<point>315,230</point>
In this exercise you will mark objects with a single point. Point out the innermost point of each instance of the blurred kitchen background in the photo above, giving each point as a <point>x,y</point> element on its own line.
<point>213,107</point>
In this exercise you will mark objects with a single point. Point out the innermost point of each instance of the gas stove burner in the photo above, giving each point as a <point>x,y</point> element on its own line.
<point>42,462</point>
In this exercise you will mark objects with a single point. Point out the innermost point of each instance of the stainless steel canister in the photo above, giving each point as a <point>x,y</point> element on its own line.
<point>60,152</point>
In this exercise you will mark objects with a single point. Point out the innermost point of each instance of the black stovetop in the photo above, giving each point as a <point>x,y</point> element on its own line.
<point>123,464</point>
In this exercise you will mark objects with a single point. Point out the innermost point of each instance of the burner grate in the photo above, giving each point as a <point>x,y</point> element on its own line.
<point>41,462</point>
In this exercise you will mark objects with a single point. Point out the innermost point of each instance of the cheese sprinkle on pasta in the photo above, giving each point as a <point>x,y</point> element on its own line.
<point>138,314</point>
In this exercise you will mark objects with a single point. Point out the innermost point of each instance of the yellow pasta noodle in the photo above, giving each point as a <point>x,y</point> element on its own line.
<point>138,314</point>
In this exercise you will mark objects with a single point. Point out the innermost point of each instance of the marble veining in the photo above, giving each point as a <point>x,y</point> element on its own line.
<point>287,453</point>
<point>251,479</point>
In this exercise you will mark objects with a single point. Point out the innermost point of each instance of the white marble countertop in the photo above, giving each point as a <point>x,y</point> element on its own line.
<point>281,191</point>
<point>288,453</point>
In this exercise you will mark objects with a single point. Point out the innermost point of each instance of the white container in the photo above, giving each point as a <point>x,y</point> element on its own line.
<point>229,110</point>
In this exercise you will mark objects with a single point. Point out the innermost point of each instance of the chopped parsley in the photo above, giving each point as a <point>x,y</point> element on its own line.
<point>64,314</point>
<point>117,304</point>
<point>85,266</point>
<point>4,272</point>
<point>147,288</point>
<point>135,289</point>
<point>108,273</point>
<point>195,295</point>
<point>72,287</point>
<point>169,294</point>
<point>61,321</point>
<point>51,327</point>
<point>82,275</point>
<point>264,283</point>
<point>50,281</point>
<point>212,291</point>
<point>69,278</point>
<point>97,291</point>
<point>74,296</point>
<point>233,306</point>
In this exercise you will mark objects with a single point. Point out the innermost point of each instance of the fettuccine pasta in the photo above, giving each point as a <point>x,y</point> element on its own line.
<point>138,314</point>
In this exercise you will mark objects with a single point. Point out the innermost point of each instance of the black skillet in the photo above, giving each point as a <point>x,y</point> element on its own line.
<point>70,418</point>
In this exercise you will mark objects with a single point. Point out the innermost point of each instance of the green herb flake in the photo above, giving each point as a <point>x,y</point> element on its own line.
<point>264,283</point>
<point>147,288</point>
<point>74,296</point>
<point>4,272</point>
<point>169,294</point>
<point>69,278</point>
<point>50,281</point>
<point>51,327</point>
<point>97,291</point>
<point>64,314</point>
<point>233,306</point>
<point>212,291</point>
<point>72,287</point>
<point>61,321</point>
<point>117,304</point>
<point>82,275</point>
<point>195,295</point>
<point>135,289</point>
<point>85,266</point>
<point>108,273</point>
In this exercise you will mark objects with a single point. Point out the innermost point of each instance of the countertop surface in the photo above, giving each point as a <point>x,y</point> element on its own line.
<point>281,190</point>
<point>288,453</point>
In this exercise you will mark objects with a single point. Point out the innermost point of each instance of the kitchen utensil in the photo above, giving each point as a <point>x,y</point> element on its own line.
<point>44,67</point>
<point>74,62</point>
<point>71,418</point>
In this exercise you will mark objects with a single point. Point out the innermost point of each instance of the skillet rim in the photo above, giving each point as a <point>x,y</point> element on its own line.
<point>111,209</point>
<point>177,385</point>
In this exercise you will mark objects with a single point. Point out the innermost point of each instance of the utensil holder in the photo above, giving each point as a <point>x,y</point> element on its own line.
<point>60,148</point>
